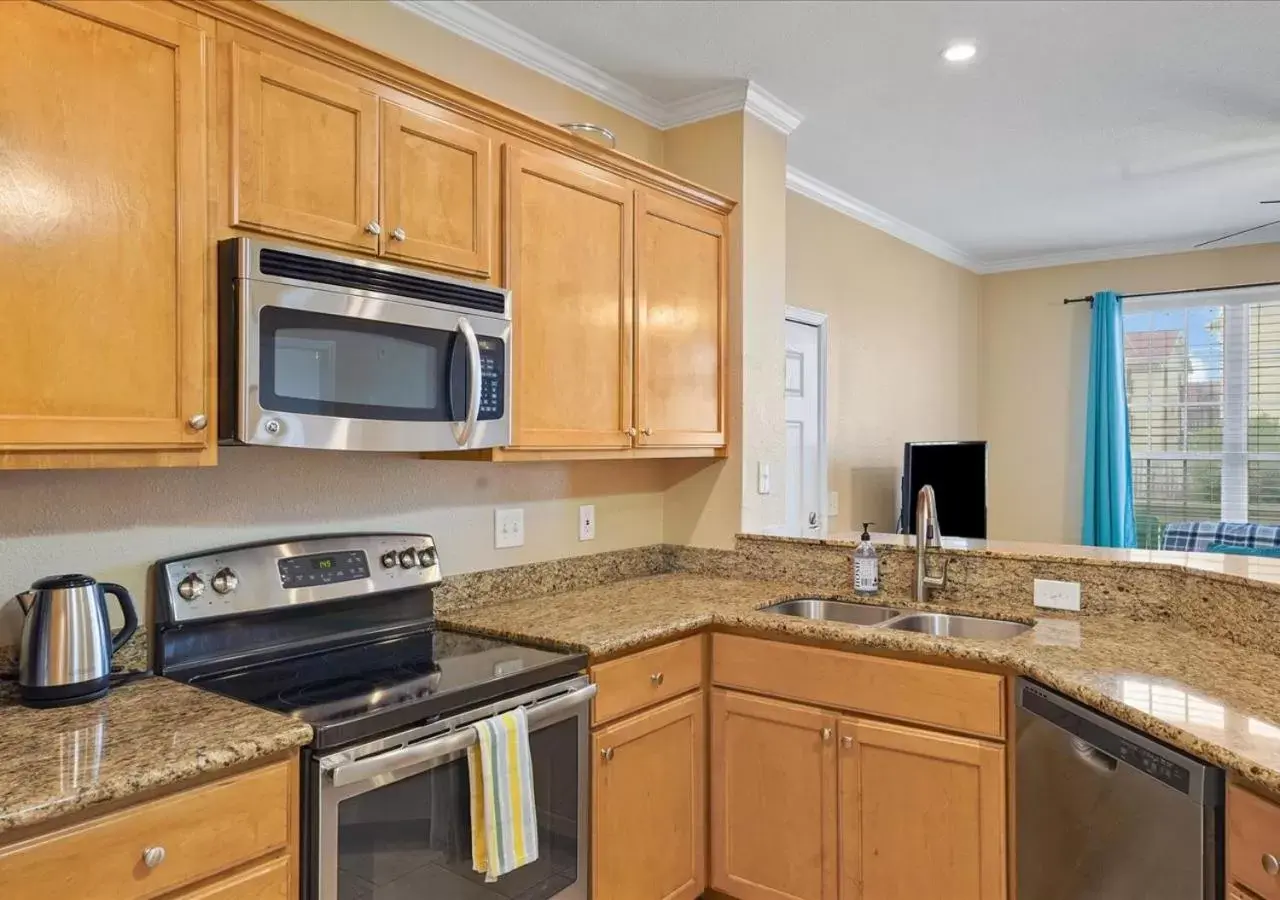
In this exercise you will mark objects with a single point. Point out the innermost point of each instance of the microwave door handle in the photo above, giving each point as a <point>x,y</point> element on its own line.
<point>463,435</point>
<point>453,742</point>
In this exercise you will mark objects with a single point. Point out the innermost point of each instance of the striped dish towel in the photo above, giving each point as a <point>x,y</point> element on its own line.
<point>504,828</point>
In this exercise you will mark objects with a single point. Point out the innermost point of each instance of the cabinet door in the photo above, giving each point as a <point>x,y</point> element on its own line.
<point>773,799</point>
<point>922,814</point>
<point>103,224</point>
<point>682,295</point>
<point>568,240</point>
<point>437,189</point>
<point>304,159</point>
<point>649,804</point>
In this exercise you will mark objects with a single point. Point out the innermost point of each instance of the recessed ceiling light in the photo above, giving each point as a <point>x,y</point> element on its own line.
<point>960,51</point>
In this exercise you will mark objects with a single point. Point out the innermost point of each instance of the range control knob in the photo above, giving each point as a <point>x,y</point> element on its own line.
<point>389,559</point>
<point>191,587</point>
<point>225,581</point>
<point>408,559</point>
<point>427,557</point>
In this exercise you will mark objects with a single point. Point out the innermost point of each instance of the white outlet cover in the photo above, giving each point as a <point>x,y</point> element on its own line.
<point>1057,594</point>
<point>762,478</point>
<point>587,522</point>
<point>508,528</point>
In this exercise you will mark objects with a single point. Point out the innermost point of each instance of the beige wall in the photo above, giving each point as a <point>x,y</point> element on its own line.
<point>397,32</point>
<point>1035,372</point>
<point>903,348</point>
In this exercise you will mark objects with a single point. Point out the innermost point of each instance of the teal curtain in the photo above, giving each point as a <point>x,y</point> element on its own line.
<point>1108,468</point>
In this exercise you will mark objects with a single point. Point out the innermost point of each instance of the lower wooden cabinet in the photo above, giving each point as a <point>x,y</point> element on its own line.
<point>773,799</point>
<point>648,808</point>
<point>922,814</point>
<point>1253,843</point>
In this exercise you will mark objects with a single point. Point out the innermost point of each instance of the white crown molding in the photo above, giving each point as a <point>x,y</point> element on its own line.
<point>489,31</point>
<point>1098,254</point>
<point>708,105</point>
<point>841,202</point>
<point>770,110</point>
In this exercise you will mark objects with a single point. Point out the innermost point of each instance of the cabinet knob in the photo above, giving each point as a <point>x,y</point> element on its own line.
<point>646,431</point>
<point>656,679</point>
<point>398,235</point>
<point>826,734</point>
<point>1270,864</point>
<point>846,742</point>
<point>198,422</point>
<point>152,857</point>
<point>606,753</point>
<point>373,228</point>
<point>631,431</point>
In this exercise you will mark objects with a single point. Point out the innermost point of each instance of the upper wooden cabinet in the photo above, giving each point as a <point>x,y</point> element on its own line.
<point>437,189</point>
<point>648,809</point>
<point>682,275</point>
<point>304,151</point>
<point>569,265</point>
<point>773,799</point>
<point>103,236</point>
<point>317,155</point>
<point>922,814</point>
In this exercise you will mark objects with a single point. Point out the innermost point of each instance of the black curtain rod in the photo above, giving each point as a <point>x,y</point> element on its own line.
<point>1225,287</point>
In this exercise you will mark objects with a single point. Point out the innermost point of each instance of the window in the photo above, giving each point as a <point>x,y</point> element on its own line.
<point>1202,375</point>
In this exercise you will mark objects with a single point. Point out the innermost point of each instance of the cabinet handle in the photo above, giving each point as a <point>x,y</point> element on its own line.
<point>846,742</point>
<point>631,431</point>
<point>606,753</point>
<point>826,734</point>
<point>152,857</point>
<point>398,234</point>
<point>656,679</point>
<point>198,422</point>
<point>373,228</point>
<point>646,431</point>
<point>1270,864</point>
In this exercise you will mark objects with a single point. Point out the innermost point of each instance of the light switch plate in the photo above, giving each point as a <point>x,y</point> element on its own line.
<point>833,503</point>
<point>1057,594</point>
<point>762,478</point>
<point>587,522</point>
<point>508,528</point>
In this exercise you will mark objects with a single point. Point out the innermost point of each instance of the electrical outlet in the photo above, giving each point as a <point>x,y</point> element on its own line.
<point>587,523</point>
<point>508,528</point>
<point>1057,594</point>
<point>833,503</point>
<point>762,478</point>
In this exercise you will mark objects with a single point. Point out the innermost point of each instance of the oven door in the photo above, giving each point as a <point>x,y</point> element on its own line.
<point>327,369</point>
<point>394,817</point>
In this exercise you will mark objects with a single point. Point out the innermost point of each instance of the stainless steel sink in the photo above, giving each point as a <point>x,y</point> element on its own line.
<point>942,625</point>
<point>834,611</point>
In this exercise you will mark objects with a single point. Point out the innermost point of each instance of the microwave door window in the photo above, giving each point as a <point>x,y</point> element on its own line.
<point>354,368</point>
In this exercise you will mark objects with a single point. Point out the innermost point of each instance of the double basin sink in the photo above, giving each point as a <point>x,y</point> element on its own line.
<point>934,624</point>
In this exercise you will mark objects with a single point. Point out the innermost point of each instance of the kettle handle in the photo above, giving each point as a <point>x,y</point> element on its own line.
<point>126,607</point>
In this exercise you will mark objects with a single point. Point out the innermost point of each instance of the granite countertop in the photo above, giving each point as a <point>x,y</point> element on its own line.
<point>142,735</point>
<point>1214,699</point>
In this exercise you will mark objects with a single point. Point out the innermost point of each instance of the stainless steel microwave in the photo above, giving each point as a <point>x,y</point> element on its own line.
<point>334,352</point>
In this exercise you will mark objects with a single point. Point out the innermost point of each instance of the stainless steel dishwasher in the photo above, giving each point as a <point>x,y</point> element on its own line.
<point>1106,813</point>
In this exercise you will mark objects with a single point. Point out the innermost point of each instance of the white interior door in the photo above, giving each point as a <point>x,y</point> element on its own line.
<point>805,511</point>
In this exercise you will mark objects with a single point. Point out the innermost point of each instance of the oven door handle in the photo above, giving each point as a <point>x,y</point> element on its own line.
<point>453,742</point>
<point>463,435</point>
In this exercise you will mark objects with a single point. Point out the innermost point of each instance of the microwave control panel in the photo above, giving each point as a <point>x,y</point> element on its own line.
<point>492,378</point>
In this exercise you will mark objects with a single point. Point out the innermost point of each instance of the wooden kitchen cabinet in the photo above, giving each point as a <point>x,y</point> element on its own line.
<point>682,323</point>
<point>304,150</point>
<point>103,236</point>
<point>437,186</point>
<point>1253,835</point>
<point>773,799</point>
<point>922,814</point>
<point>649,804</point>
<point>569,264</point>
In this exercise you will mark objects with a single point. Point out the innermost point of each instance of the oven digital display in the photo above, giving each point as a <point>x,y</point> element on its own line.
<point>323,568</point>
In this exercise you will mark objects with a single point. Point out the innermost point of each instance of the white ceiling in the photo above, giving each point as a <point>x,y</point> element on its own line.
<point>1083,130</point>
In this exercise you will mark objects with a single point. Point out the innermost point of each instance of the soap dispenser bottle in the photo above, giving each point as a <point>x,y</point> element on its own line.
<point>866,565</point>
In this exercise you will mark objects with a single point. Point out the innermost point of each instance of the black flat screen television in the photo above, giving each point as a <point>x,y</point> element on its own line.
<point>958,472</point>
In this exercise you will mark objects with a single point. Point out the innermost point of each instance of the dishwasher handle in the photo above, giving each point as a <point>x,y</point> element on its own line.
<point>1106,744</point>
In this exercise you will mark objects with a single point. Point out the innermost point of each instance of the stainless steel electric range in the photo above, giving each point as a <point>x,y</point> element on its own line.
<point>339,631</point>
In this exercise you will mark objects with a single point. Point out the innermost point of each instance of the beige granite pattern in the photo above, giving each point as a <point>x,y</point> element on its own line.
<point>1210,697</point>
<point>142,735</point>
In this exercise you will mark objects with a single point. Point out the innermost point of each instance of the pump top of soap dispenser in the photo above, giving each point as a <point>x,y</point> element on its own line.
<point>866,530</point>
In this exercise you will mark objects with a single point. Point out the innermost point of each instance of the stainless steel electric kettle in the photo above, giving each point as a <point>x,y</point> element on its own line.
<point>65,656</point>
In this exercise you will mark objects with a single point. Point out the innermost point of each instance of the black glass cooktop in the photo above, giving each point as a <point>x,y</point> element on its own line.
<point>355,692</point>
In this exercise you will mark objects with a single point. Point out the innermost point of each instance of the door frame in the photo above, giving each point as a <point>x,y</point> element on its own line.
<point>819,321</point>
